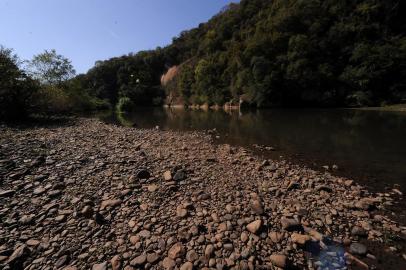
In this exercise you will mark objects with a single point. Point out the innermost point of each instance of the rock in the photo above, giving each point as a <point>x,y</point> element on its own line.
<point>134,239</point>
<point>397,191</point>
<point>244,237</point>
<point>316,235</point>
<point>358,249</point>
<point>257,207</point>
<point>18,255</point>
<point>300,238</point>
<point>168,263</point>
<point>116,262</point>
<point>275,237</point>
<point>208,251</point>
<point>358,231</point>
<point>167,176</point>
<point>181,212</point>
<point>143,174</point>
<point>278,260</point>
<point>176,251</point>
<point>349,183</point>
<point>254,226</point>
<point>364,204</point>
<point>6,193</point>
<point>290,224</point>
<point>110,203</point>
<point>152,257</point>
<point>64,259</point>
<point>187,266</point>
<point>39,191</point>
<point>60,218</point>
<point>192,256</point>
<point>87,211</point>
<point>179,175</point>
<point>100,266</point>
<point>32,242</point>
<point>139,260</point>
<point>152,188</point>
<point>144,234</point>
<point>228,247</point>
<point>26,219</point>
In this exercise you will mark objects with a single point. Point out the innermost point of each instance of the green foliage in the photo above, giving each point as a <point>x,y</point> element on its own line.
<point>16,88</point>
<point>21,95</point>
<point>51,68</point>
<point>279,52</point>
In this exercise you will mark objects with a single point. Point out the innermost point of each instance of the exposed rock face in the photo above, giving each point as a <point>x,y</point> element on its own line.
<point>93,196</point>
<point>169,75</point>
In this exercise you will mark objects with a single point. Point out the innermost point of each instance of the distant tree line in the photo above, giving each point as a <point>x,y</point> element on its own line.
<point>266,52</point>
<point>274,53</point>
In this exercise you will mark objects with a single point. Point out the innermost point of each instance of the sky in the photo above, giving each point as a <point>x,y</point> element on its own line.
<point>89,30</point>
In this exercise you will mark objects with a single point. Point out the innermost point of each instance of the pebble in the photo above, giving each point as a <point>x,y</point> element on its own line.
<point>358,249</point>
<point>254,226</point>
<point>278,260</point>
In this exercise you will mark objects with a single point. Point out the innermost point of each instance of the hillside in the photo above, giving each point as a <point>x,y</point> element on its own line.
<point>272,53</point>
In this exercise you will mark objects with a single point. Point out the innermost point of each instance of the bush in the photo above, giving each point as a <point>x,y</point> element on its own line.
<point>125,104</point>
<point>52,99</point>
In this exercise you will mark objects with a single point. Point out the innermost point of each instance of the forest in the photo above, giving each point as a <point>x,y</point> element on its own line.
<point>266,53</point>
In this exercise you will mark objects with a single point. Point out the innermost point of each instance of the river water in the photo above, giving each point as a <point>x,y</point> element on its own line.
<point>369,146</point>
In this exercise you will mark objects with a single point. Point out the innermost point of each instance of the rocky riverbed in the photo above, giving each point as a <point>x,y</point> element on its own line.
<point>87,195</point>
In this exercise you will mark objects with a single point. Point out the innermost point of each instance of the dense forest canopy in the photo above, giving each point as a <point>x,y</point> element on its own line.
<point>273,52</point>
<point>263,52</point>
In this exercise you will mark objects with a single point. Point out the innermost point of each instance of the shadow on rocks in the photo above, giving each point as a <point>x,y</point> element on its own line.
<point>40,121</point>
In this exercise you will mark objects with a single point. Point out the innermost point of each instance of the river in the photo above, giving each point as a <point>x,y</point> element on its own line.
<point>369,146</point>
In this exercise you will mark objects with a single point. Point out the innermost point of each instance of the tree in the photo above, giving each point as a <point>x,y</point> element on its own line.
<point>51,68</point>
<point>16,88</point>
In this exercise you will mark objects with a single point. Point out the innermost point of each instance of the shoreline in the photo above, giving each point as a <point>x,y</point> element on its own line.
<point>120,191</point>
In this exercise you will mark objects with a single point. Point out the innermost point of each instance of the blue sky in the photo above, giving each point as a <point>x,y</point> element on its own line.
<point>89,30</point>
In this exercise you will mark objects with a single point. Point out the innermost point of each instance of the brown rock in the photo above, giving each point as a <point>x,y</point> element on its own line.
<point>167,176</point>
<point>276,237</point>
<point>187,266</point>
<point>300,239</point>
<point>19,254</point>
<point>100,266</point>
<point>33,242</point>
<point>168,263</point>
<point>254,226</point>
<point>139,260</point>
<point>278,260</point>
<point>244,237</point>
<point>152,257</point>
<point>152,188</point>
<point>208,251</point>
<point>116,262</point>
<point>110,203</point>
<point>6,193</point>
<point>176,251</point>
<point>257,207</point>
<point>181,212</point>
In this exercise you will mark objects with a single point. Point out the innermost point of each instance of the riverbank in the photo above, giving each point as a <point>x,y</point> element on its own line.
<point>88,194</point>
<point>389,108</point>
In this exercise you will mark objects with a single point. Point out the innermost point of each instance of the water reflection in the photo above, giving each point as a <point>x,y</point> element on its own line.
<point>368,144</point>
